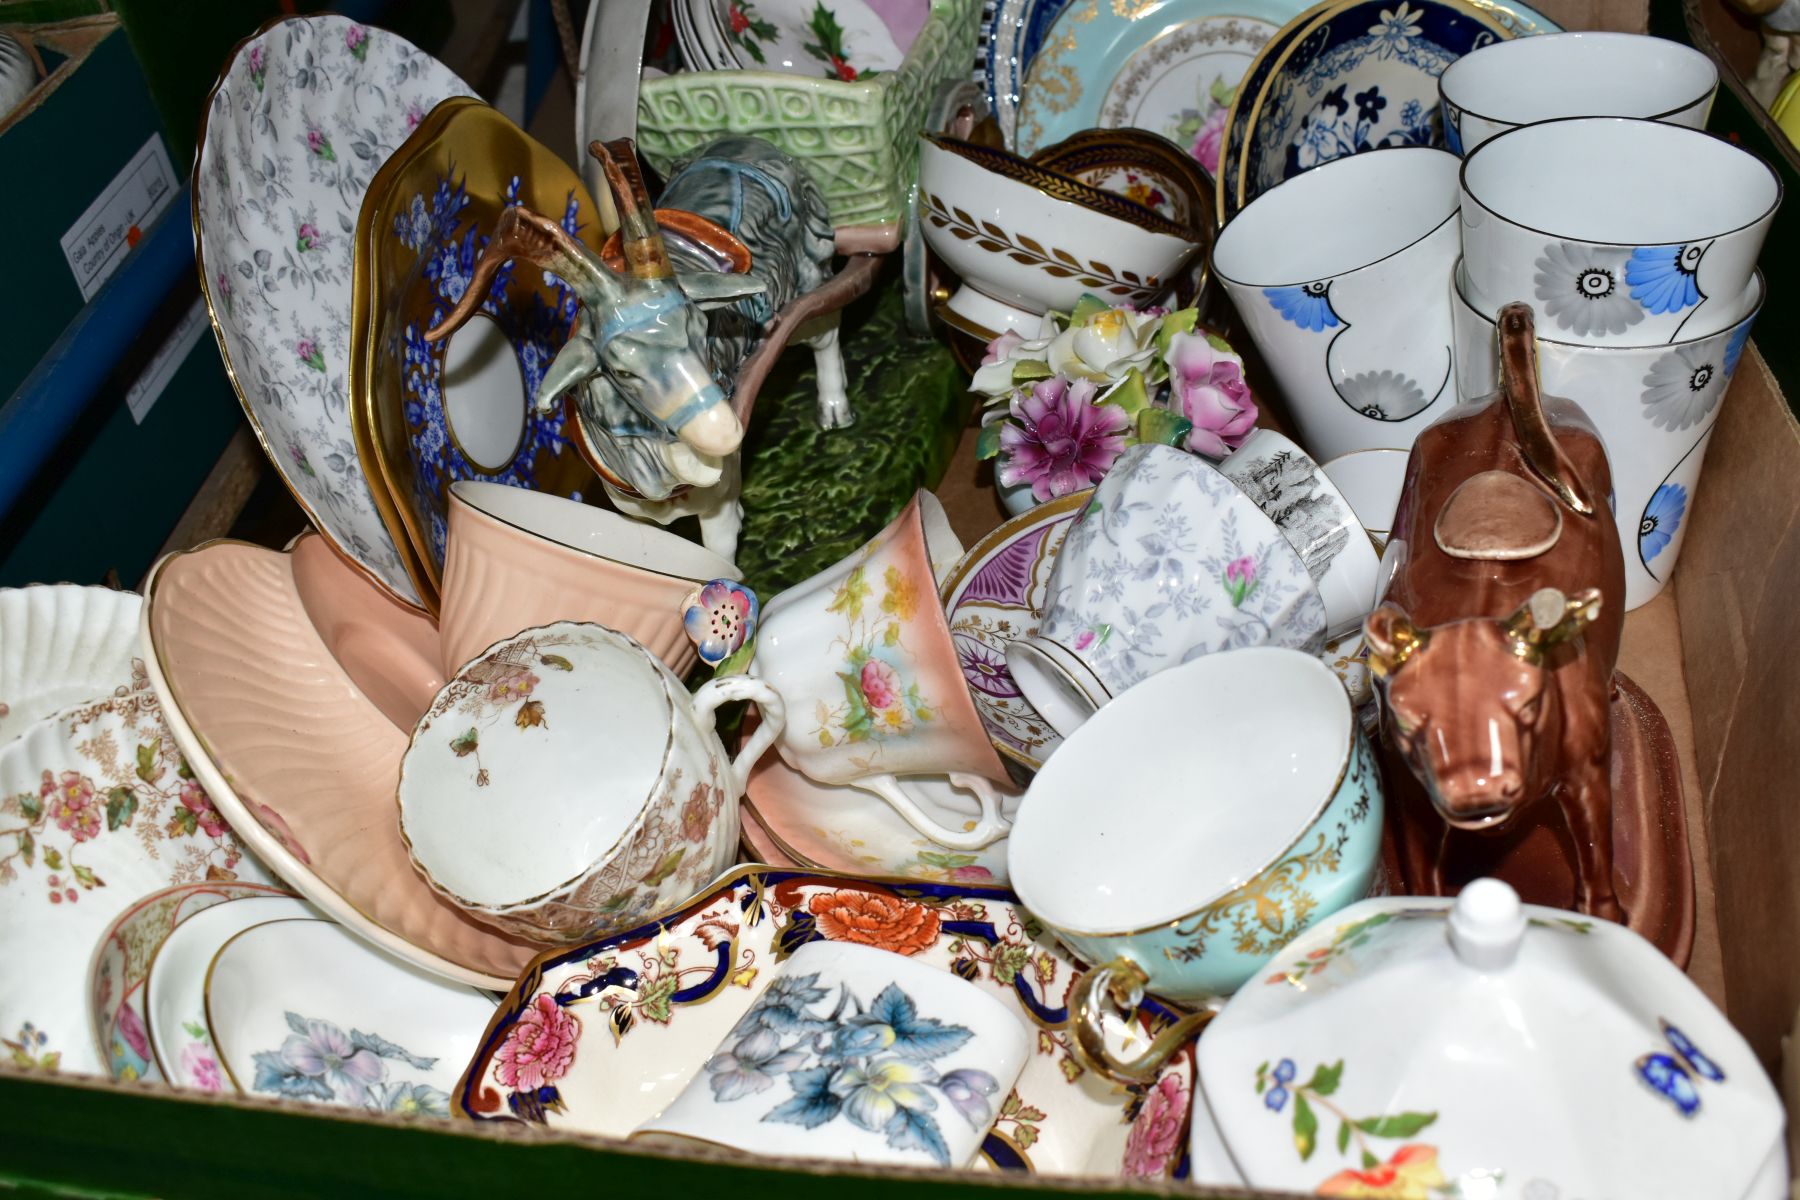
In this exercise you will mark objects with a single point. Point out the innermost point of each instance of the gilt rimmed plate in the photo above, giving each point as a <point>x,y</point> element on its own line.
<point>305,112</point>
<point>97,808</point>
<point>1158,61</point>
<point>118,989</point>
<point>181,1046</point>
<point>1363,76</point>
<point>425,414</point>
<point>304,1010</point>
<point>1011,38</point>
<point>599,1037</point>
<point>298,758</point>
<point>991,598</point>
<point>838,827</point>
<point>61,645</point>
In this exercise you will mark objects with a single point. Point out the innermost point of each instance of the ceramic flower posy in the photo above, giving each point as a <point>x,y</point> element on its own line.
<point>720,618</point>
<point>1100,379</point>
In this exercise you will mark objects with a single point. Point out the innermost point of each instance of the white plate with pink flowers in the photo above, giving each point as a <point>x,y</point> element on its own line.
<point>97,808</point>
<point>598,1038</point>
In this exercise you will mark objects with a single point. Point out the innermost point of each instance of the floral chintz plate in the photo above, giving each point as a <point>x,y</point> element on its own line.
<point>118,991</point>
<point>64,645</point>
<point>992,598</point>
<point>97,808</point>
<point>304,1010</point>
<point>1362,77</point>
<point>426,415</point>
<point>304,114</point>
<point>599,1038</point>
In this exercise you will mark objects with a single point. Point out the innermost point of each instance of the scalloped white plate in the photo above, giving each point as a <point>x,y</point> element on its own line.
<point>61,645</point>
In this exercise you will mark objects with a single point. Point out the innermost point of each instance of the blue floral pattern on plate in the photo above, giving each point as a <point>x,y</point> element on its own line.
<point>871,1064</point>
<point>448,247</point>
<point>1363,77</point>
<point>319,1061</point>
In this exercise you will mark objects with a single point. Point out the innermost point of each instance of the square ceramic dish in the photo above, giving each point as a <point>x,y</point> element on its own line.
<point>859,139</point>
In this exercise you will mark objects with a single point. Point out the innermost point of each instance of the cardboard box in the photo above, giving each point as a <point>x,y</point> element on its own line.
<point>1715,651</point>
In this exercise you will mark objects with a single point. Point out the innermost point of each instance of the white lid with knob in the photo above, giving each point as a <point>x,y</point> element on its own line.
<point>1486,1049</point>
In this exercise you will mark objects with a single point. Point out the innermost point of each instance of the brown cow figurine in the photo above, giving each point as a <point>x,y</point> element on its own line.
<point>1494,647</point>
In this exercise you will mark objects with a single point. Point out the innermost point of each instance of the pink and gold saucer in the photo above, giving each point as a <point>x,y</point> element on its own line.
<point>301,760</point>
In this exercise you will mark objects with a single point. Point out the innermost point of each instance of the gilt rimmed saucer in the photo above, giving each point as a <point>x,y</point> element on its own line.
<point>991,598</point>
<point>97,808</point>
<point>181,1045</point>
<point>118,991</point>
<point>304,113</point>
<point>598,1038</point>
<point>301,1009</point>
<point>427,414</point>
<point>1170,66</point>
<point>297,756</point>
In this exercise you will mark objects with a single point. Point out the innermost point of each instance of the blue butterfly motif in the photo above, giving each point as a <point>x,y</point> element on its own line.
<point>1672,1075</point>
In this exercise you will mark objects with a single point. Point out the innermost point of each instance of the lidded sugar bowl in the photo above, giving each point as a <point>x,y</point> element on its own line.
<point>1481,1048</point>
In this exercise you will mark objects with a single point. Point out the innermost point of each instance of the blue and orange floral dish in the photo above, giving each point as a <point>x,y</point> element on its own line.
<point>1362,77</point>
<point>599,1038</point>
<point>304,114</point>
<point>1349,1066</point>
<point>426,415</point>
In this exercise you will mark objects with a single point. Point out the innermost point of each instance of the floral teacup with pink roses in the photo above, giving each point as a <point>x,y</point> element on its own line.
<point>861,653</point>
<point>564,784</point>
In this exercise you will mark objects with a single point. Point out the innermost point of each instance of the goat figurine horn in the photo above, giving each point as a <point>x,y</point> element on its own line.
<point>521,233</point>
<point>645,255</point>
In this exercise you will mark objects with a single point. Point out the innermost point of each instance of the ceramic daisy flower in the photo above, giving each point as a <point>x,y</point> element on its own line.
<point>1683,386</point>
<point>1583,289</point>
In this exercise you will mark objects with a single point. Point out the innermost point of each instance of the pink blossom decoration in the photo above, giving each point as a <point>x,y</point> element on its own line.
<point>199,1065</point>
<point>971,874</point>
<point>70,800</point>
<point>1155,1136</point>
<point>1001,347</point>
<point>1210,139</point>
<point>196,801</point>
<point>1240,579</point>
<point>356,40</point>
<point>131,1028</point>
<point>720,617</point>
<point>1206,385</point>
<point>880,685</point>
<point>307,238</point>
<point>540,1047</point>
<point>1058,440</point>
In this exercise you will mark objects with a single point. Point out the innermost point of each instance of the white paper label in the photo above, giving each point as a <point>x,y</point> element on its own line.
<point>169,357</point>
<point>97,243</point>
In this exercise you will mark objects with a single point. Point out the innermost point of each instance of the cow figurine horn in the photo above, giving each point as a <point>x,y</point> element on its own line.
<point>1392,639</point>
<point>1548,617</point>
<point>641,238</point>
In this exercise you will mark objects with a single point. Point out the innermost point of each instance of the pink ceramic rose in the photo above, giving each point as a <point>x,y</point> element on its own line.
<point>1155,1136</point>
<point>1206,385</point>
<point>540,1048</point>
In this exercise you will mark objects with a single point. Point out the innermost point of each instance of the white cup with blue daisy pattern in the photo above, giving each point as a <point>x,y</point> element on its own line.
<point>1617,232</point>
<point>857,1054</point>
<point>1654,407</point>
<point>1339,275</point>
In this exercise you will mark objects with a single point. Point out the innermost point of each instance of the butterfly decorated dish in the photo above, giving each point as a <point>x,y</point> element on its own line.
<point>1479,1046</point>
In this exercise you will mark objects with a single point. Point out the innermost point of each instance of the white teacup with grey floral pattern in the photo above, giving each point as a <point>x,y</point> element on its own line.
<point>1617,232</point>
<point>1319,523</point>
<point>858,1054</point>
<point>564,784</point>
<point>1170,561</point>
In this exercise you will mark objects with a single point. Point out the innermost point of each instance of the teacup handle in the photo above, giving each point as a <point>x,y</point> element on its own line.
<point>1118,987</point>
<point>990,826</point>
<point>715,692</point>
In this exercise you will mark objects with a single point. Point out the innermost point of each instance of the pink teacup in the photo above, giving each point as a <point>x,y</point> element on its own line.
<point>518,559</point>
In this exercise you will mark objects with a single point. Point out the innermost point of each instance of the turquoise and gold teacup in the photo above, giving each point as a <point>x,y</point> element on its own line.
<point>1191,829</point>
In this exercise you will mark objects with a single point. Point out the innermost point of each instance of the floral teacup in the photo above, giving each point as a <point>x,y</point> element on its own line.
<point>857,1053</point>
<point>1255,810</point>
<point>564,785</point>
<point>1170,561</point>
<point>861,653</point>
